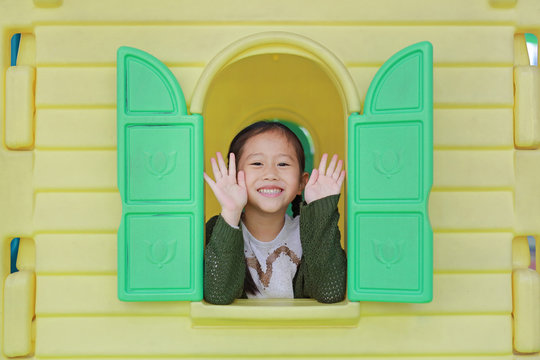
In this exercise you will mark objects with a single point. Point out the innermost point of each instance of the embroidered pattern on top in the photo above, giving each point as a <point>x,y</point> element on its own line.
<point>265,277</point>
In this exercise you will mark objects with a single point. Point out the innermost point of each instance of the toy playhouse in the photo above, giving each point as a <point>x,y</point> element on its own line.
<point>110,110</point>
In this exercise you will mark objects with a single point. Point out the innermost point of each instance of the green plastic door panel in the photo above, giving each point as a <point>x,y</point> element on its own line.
<point>390,162</point>
<point>160,166</point>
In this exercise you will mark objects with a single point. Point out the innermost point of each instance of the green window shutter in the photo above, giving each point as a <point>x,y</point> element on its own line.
<point>390,154</point>
<point>160,166</point>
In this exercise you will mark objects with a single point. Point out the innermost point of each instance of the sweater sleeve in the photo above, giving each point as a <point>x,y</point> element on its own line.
<point>224,264</point>
<point>324,263</point>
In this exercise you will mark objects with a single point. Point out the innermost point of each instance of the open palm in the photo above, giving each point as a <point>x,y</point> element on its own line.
<point>229,188</point>
<point>324,182</point>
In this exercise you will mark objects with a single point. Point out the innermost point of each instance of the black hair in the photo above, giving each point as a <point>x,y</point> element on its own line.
<point>259,127</point>
<point>237,146</point>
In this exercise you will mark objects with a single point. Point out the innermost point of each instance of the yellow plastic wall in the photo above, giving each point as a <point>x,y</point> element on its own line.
<point>61,191</point>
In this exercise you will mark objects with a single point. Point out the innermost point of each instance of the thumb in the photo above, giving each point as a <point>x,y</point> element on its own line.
<point>209,180</point>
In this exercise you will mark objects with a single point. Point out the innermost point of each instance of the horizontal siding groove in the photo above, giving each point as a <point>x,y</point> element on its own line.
<point>298,23</point>
<point>271,357</point>
<point>111,314</point>
<point>203,64</point>
<point>390,314</point>
<point>437,272</point>
<point>111,106</point>
<point>76,233</point>
<point>428,314</point>
<point>471,189</point>
<point>78,274</point>
<point>76,65</point>
<point>71,232</point>
<point>435,147</point>
<point>71,148</point>
<point>77,190</point>
<point>472,272</point>
<point>474,231</point>
<point>436,65</point>
<point>471,106</point>
<point>104,106</point>
<point>469,231</point>
<point>472,148</point>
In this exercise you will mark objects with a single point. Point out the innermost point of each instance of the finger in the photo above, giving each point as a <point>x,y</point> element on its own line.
<point>232,165</point>
<point>222,165</point>
<point>313,178</point>
<point>215,169</point>
<point>322,164</point>
<point>241,179</point>
<point>213,186</point>
<point>337,172</point>
<point>209,181</point>
<point>207,178</point>
<point>341,178</point>
<point>332,166</point>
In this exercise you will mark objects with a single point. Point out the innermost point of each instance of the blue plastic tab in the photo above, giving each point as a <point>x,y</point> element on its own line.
<point>15,41</point>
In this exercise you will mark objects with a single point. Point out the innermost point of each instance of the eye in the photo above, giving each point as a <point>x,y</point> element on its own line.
<point>256,163</point>
<point>283,164</point>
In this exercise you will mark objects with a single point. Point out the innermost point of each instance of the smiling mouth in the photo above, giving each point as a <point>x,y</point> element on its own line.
<point>270,191</point>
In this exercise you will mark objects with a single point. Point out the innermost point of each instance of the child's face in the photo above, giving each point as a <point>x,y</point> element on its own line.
<point>272,172</point>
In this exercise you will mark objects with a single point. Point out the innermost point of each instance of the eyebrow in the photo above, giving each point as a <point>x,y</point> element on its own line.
<point>262,154</point>
<point>252,155</point>
<point>286,155</point>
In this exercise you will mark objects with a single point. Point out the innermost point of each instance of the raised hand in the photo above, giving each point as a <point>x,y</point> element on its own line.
<point>229,188</point>
<point>324,182</point>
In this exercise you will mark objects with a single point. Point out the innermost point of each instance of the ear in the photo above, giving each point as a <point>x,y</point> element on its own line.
<point>303,181</point>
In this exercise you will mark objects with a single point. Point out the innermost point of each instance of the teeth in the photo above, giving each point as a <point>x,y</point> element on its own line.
<point>270,191</point>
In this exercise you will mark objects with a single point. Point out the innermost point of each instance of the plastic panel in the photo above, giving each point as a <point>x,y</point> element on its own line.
<point>390,240</point>
<point>160,239</point>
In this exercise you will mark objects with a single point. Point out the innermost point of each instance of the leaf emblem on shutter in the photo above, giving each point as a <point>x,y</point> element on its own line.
<point>160,164</point>
<point>388,164</point>
<point>161,252</point>
<point>388,252</point>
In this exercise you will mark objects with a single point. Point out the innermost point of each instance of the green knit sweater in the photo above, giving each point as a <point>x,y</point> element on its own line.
<point>322,271</point>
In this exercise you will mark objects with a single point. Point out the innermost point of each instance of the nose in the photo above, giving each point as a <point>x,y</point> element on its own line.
<point>270,173</point>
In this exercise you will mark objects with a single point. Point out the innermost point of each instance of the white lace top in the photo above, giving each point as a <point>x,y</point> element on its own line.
<point>273,264</point>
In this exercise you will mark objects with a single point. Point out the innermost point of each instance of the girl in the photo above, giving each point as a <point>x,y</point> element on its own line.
<point>253,248</point>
